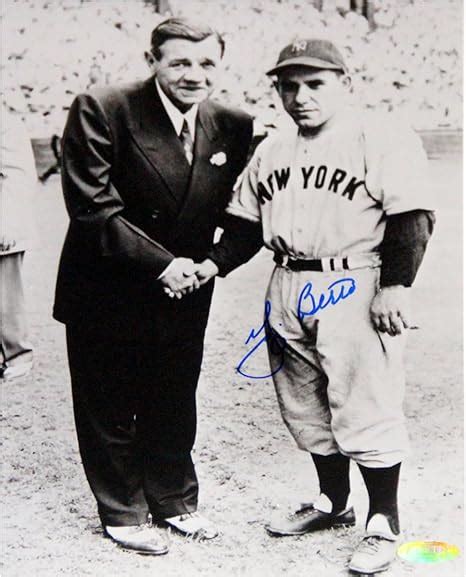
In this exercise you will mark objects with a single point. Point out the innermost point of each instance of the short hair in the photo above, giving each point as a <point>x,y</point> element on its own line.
<point>181,28</point>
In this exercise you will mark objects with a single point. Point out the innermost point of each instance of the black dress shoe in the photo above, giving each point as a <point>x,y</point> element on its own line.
<point>308,519</point>
<point>142,539</point>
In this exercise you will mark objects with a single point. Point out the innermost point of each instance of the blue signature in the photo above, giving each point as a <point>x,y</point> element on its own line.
<point>338,291</point>
<point>277,345</point>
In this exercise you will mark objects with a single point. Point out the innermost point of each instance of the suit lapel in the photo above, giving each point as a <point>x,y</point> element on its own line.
<point>154,133</point>
<point>202,185</point>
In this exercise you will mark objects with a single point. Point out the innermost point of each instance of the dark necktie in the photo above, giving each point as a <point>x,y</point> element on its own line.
<point>187,142</point>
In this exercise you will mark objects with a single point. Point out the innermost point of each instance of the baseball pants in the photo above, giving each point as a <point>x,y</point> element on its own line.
<point>341,383</point>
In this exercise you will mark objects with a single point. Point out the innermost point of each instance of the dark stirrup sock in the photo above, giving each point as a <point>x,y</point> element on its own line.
<point>382,486</point>
<point>333,473</point>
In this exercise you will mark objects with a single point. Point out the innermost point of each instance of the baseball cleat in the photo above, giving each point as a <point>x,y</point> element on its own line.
<point>308,519</point>
<point>377,551</point>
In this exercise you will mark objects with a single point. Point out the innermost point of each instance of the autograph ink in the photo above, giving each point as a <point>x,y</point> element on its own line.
<point>277,342</point>
<point>338,291</point>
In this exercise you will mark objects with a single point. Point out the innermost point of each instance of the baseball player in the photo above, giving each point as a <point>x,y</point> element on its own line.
<point>342,201</point>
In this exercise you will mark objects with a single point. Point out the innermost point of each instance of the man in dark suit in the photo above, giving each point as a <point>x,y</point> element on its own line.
<point>147,170</point>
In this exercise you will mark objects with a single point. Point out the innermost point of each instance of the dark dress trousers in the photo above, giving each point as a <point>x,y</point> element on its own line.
<point>134,204</point>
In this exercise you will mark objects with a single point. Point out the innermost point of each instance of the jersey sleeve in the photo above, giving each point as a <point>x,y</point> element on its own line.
<point>403,246</point>
<point>245,200</point>
<point>400,174</point>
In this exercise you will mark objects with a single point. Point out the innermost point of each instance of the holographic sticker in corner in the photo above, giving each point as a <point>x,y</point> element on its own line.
<point>427,551</point>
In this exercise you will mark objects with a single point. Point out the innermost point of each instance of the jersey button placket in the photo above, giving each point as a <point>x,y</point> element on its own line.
<point>298,202</point>
<point>301,205</point>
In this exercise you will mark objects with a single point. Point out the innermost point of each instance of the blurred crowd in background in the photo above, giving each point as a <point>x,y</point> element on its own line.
<point>404,61</point>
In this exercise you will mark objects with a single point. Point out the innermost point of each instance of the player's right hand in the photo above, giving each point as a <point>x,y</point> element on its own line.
<point>205,271</point>
<point>390,310</point>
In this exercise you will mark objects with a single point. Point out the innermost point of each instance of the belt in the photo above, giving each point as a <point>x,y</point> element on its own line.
<point>328,264</point>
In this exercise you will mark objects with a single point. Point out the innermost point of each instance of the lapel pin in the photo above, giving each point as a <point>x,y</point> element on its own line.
<point>218,159</point>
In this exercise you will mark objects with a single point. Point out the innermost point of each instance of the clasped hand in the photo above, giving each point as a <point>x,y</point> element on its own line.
<point>183,276</point>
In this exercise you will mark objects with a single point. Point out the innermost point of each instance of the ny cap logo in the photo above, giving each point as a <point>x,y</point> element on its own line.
<point>299,46</point>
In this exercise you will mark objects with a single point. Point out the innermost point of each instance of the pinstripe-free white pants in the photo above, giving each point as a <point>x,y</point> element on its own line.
<point>341,384</point>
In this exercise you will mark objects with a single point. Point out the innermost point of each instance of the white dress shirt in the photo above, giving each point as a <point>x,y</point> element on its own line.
<point>176,117</point>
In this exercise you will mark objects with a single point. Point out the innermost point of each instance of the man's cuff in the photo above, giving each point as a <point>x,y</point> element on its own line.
<point>165,270</point>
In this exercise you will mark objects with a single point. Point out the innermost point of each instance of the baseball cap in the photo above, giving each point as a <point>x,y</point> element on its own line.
<point>315,53</point>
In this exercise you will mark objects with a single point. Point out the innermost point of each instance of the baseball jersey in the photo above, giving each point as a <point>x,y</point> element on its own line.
<point>330,195</point>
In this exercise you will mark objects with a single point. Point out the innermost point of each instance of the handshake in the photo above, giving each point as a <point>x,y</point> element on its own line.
<point>183,276</point>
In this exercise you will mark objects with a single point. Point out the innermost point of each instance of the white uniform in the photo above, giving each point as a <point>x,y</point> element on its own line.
<point>340,386</point>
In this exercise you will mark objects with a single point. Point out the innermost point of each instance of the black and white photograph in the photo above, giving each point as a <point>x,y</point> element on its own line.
<point>231,271</point>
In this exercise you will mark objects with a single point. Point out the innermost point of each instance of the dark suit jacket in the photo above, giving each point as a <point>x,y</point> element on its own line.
<point>135,203</point>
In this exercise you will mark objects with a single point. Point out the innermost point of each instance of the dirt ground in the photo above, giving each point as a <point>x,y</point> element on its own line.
<point>248,465</point>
